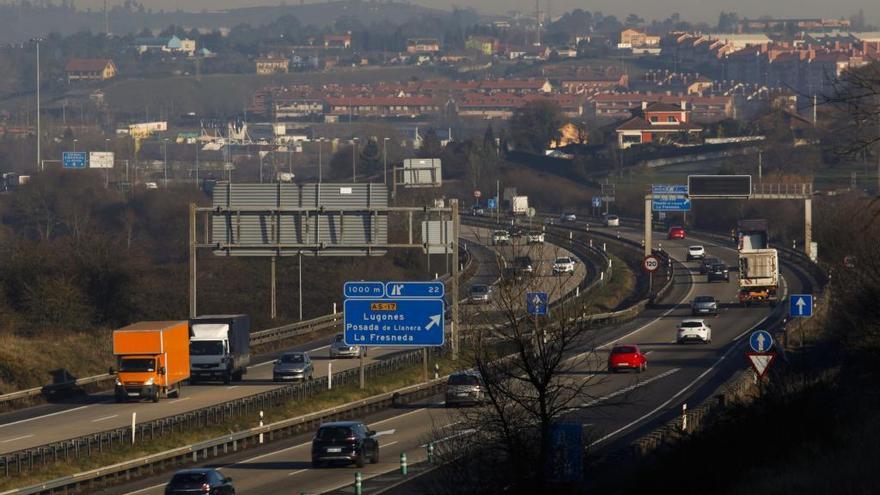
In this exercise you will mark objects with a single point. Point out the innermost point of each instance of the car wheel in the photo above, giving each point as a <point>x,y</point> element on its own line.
<point>639,369</point>
<point>316,464</point>
<point>375,458</point>
<point>359,462</point>
<point>156,397</point>
<point>645,367</point>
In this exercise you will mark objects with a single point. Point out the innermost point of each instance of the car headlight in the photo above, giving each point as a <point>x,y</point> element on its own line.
<point>118,382</point>
<point>149,381</point>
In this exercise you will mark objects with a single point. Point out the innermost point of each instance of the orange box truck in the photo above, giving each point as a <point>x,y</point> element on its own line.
<point>152,359</point>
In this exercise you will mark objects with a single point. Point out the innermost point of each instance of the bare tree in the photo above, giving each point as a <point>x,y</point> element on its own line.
<point>856,94</point>
<point>535,372</point>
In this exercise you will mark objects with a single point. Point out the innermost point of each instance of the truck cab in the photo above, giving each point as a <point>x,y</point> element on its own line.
<point>219,347</point>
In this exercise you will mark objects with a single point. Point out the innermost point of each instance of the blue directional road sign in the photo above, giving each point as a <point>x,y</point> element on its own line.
<point>74,159</point>
<point>671,203</point>
<point>364,289</point>
<point>394,322</point>
<point>420,290</point>
<point>597,201</point>
<point>801,305</point>
<point>491,203</point>
<point>536,303</point>
<point>675,189</point>
<point>566,460</point>
<point>760,341</point>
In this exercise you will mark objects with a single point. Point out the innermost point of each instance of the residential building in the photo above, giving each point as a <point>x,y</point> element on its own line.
<point>303,107</point>
<point>486,45</point>
<point>422,45</point>
<point>90,69</point>
<point>803,24</point>
<point>700,108</point>
<point>167,44</point>
<point>633,38</point>
<point>340,42</point>
<point>659,123</point>
<point>267,66</point>
<point>382,106</point>
<point>516,86</point>
<point>591,82</point>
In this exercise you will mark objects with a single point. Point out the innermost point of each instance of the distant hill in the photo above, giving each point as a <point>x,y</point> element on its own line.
<point>19,23</point>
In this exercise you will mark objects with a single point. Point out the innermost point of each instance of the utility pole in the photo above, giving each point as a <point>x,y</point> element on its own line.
<point>165,158</point>
<point>39,132</point>
<point>455,272</point>
<point>385,161</point>
<point>354,144</point>
<point>320,158</point>
<point>192,260</point>
<point>197,162</point>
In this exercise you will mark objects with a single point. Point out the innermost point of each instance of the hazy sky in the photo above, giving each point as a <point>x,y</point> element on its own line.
<point>695,10</point>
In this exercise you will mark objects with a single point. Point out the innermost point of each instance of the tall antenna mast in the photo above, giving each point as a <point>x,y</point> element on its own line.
<point>106,20</point>
<point>538,22</point>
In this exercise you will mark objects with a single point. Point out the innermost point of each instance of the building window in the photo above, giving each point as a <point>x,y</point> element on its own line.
<point>653,118</point>
<point>671,119</point>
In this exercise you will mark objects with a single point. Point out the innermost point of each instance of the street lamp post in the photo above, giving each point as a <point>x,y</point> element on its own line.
<point>354,145</point>
<point>320,158</point>
<point>39,144</point>
<point>385,160</point>
<point>197,162</point>
<point>165,159</point>
<point>74,144</point>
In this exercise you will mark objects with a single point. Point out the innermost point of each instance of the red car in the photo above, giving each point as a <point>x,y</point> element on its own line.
<point>676,233</point>
<point>627,357</point>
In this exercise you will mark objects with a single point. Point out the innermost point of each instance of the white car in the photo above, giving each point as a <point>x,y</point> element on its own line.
<point>612,221</point>
<point>563,264</point>
<point>693,329</point>
<point>696,253</point>
<point>500,237</point>
<point>568,217</point>
<point>480,294</point>
<point>535,238</point>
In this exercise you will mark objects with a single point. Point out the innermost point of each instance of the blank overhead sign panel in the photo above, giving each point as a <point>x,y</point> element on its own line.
<point>288,219</point>
<point>422,172</point>
<point>719,186</point>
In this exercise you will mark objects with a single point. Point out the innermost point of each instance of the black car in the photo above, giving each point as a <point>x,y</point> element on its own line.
<point>706,263</point>
<point>201,480</point>
<point>524,264</point>
<point>515,231</point>
<point>344,442</point>
<point>717,271</point>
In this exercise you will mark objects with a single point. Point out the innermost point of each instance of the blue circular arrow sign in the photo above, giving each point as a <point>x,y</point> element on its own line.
<point>761,341</point>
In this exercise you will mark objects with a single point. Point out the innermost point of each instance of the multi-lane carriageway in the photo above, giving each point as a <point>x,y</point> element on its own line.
<point>54,422</point>
<point>628,404</point>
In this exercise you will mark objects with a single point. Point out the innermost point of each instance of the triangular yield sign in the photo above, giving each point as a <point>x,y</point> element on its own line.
<point>761,361</point>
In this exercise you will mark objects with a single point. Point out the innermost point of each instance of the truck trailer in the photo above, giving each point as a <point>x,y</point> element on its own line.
<point>152,359</point>
<point>519,205</point>
<point>758,276</point>
<point>219,348</point>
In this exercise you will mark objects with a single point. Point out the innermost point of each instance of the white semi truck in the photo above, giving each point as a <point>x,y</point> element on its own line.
<point>519,205</point>
<point>758,264</point>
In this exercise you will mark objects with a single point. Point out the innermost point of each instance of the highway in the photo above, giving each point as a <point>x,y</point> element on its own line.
<point>626,404</point>
<point>54,422</point>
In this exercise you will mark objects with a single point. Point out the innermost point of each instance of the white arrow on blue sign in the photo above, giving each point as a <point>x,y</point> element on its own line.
<point>801,305</point>
<point>536,303</point>
<point>760,341</point>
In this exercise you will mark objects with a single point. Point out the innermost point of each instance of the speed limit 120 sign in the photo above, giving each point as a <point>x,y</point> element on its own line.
<point>651,263</point>
<point>477,193</point>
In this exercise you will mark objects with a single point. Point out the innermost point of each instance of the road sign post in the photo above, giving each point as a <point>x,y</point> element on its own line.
<point>650,264</point>
<point>800,305</point>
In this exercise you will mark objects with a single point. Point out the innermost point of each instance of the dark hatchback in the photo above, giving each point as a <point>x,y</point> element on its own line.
<point>207,481</point>
<point>344,442</point>
<point>717,271</point>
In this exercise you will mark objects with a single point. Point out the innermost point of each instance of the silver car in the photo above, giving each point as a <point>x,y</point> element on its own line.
<point>338,348</point>
<point>704,305</point>
<point>480,293</point>
<point>293,366</point>
<point>465,387</point>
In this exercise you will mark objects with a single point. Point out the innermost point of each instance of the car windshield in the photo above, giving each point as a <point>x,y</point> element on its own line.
<point>479,289</point>
<point>696,248</point>
<point>500,233</point>
<point>206,348</point>
<point>626,349</point>
<point>138,365</point>
<point>334,433</point>
<point>691,324</point>
<point>293,358</point>
<point>563,260</point>
<point>711,261</point>
<point>463,380</point>
<point>704,299</point>
<point>612,217</point>
<point>534,234</point>
<point>339,338</point>
<point>718,266</point>
<point>189,478</point>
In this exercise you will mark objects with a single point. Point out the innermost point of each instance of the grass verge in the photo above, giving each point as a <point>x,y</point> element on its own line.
<point>329,398</point>
<point>616,291</point>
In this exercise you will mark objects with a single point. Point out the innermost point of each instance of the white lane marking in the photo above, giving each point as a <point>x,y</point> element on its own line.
<point>16,438</point>
<point>450,437</point>
<point>175,401</point>
<point>632,387</point>
<point>105,418</point>
<point>386,432</point>
<point>389,444</point>
<point>146,489</point>
<point>297,472</point>
<point>232,466</point>
<point>683,390</point>
<point>231,387</point>
<point>44,416</point>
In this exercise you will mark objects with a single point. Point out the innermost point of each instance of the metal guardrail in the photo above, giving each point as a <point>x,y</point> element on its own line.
<point>91,480</point>
<point>84,446</point>
<point>87,445</point>
<point>260,337</point>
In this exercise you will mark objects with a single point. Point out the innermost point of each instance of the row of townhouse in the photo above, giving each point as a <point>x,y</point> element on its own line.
<point>615,106</point>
